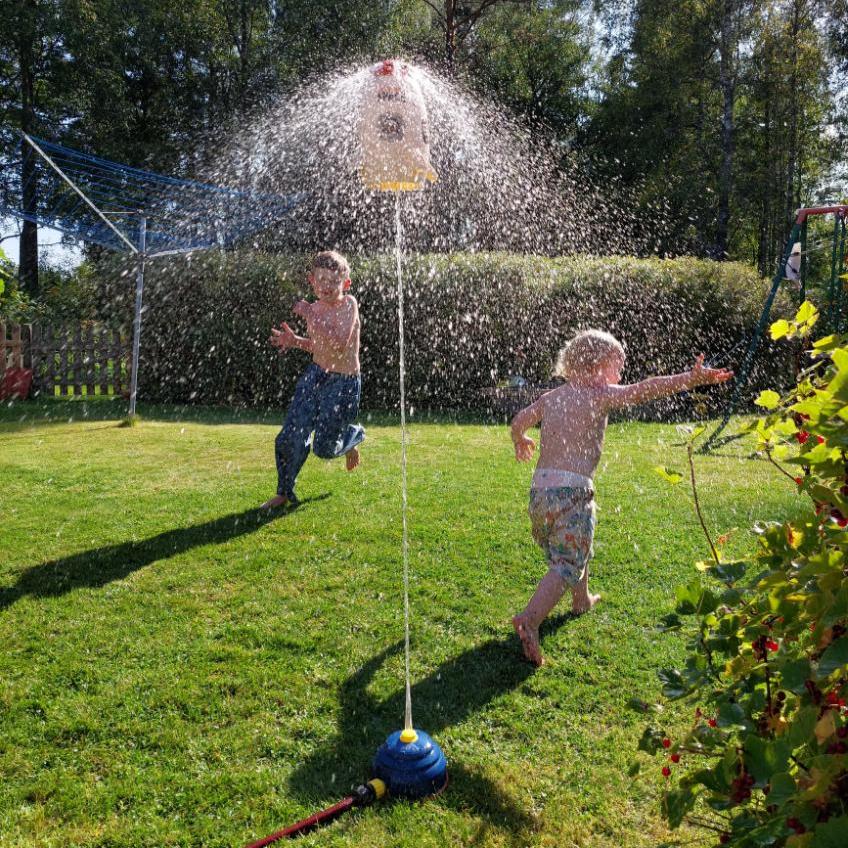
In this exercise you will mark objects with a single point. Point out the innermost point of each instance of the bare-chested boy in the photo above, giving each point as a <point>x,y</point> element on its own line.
<point>326,398</point>
<point>562,498</point>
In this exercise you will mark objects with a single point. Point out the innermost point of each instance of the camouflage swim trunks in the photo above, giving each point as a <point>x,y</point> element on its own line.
<point>563,524</point>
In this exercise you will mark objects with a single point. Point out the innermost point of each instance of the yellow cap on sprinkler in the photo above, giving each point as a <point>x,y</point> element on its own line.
<point>408,736</point>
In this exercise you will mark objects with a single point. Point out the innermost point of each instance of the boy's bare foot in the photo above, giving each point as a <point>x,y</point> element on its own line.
<point>584,604</point>
<point>352,459</point>
<point>275,502</point>
<point>529,640</point>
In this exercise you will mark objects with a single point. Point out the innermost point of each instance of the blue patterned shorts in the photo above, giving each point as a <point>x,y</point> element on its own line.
<point>563,524</point>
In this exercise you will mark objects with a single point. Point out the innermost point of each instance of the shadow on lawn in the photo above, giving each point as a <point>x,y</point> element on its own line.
<point>455,691</point>
<point>100,566</point>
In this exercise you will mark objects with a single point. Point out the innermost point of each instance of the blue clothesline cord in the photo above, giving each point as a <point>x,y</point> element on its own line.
<point>182,214</point>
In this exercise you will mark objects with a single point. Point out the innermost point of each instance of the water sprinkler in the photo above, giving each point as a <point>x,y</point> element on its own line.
<point>394,130</point>
<point>396,158</point>
<point>411,765</point>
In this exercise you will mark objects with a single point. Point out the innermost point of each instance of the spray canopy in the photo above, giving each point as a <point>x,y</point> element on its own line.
<point>394,131</point>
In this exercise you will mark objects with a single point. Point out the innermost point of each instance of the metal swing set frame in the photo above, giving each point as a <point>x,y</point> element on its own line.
<point>835,304</point>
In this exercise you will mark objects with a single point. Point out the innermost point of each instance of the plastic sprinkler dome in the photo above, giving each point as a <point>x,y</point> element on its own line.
<point>411,765</point>
<point>394,130</point>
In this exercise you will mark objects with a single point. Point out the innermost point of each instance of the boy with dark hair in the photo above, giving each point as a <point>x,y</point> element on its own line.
<point>326,398</point>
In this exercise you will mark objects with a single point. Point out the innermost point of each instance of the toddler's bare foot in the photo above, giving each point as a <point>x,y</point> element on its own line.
<point>275,502</point>
<point>529,637</point>
<point>584,603</point>
<point>352,459</point>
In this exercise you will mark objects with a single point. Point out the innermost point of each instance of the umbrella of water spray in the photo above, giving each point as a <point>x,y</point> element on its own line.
<point>501,187</point>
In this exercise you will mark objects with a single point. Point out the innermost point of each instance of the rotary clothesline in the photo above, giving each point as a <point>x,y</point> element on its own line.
<point>132,211</point>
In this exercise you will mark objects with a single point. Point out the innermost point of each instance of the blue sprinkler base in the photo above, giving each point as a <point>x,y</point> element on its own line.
<point>411,765</point>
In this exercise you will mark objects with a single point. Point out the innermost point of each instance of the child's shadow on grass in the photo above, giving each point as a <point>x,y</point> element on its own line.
<point>456,690</point>
<point>97,567</point>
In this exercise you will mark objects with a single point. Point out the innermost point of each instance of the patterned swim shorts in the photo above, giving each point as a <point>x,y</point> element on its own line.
<point>563,524</point>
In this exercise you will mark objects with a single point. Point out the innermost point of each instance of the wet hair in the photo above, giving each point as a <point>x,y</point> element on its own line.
<point>587,351</point>
<point>331,260</point>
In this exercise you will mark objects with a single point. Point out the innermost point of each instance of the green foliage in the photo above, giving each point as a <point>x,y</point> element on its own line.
<point>471,321</point>
<point>765,761</point>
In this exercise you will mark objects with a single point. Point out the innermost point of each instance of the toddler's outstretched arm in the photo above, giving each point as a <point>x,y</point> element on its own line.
<point>523,421</point>
<point>658,387</point>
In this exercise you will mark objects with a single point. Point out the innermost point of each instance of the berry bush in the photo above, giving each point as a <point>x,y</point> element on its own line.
<point>765,760</point>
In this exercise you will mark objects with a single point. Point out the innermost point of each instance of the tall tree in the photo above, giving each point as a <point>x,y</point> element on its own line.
<point>457,19</point>
<point>31,95</point>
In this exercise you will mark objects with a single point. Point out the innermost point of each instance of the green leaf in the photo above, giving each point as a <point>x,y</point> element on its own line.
<point>764,758</point>
<point>673,684</point>
<point>802,726</point>
<point>651,740</point>
<point>678,802</point>
<point>782,788</point>
<point>713,779</point>
<point>831,834</point>
<point>807,314</point>
<point>728,572</point>
<point>779,329</point>
<point>669,622</point>
<point>793,674</point>
<point>673,477</point>
<point>730,715</point>
<point>768,399</point>
<point>835,657</point>
<point>826,343</point>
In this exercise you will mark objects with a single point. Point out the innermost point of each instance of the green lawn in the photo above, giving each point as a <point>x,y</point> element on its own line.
<point>178,670</point>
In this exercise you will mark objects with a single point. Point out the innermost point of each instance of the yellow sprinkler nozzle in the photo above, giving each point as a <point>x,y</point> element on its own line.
<point>408,736</point>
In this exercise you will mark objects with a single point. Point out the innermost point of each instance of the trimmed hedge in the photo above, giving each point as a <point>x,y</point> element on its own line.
<point>472,320</point>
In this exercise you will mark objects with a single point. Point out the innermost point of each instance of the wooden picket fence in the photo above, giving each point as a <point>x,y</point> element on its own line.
<point>80,361</point>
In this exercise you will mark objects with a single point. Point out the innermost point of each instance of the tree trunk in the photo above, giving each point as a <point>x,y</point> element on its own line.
<point>28,259</point>
<point>793,121</point>
<point>450,36</point>
<point>727,84</point>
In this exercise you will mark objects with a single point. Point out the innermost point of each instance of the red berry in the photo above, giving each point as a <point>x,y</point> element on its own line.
<point>712,722</point>
<point>799,481</point>
<point>820,439</point>
<point>666,771</point>
<point>772,645</point>
<point>802,436</point>
<point>724,838</point>
<point>666,743</point>
<point>675,758</point>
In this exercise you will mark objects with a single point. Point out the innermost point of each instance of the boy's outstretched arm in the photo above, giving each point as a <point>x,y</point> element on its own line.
<point>285,338</point>
<point>659,387</point>
<point>529,417</point>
